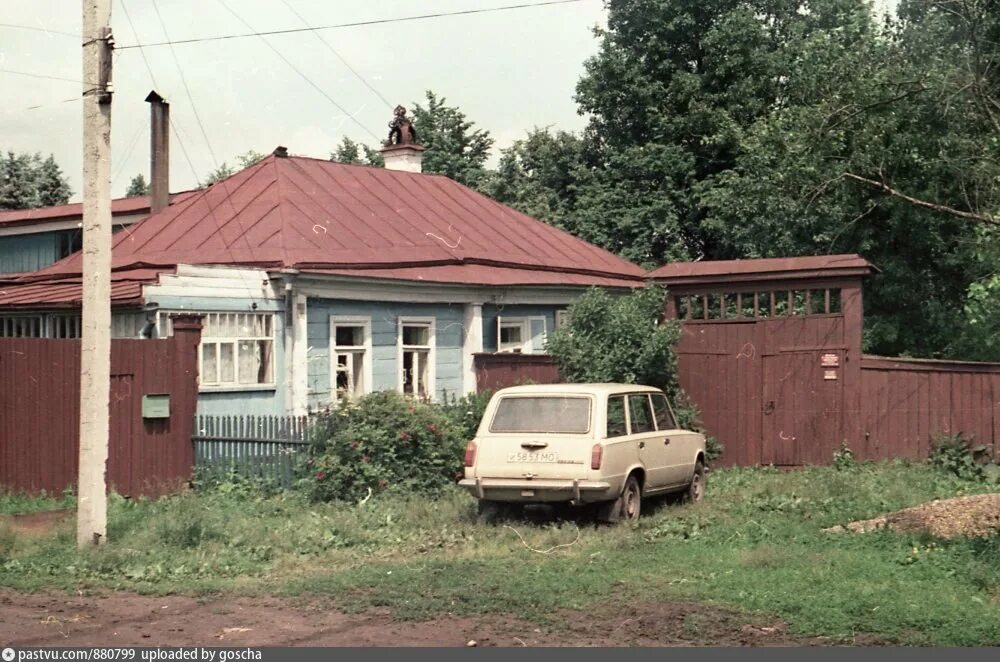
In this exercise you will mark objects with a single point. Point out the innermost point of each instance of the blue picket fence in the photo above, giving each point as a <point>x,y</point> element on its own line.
<point>257,447</point>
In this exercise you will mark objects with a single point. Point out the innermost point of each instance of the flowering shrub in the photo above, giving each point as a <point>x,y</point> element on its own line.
<point>383,441</point>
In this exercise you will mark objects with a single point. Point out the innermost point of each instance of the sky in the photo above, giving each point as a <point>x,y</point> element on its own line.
<point>508,71</point>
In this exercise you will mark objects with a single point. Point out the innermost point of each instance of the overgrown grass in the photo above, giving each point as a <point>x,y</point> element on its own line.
<point>755,544</point>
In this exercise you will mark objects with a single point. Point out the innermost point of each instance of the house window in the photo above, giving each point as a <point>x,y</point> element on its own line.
<point>513,335</point>
<point>520,334</point>
<point>22,326</point>
<point>237,349</point>
<point>416,354</point>
<point>562,317</point>
<point>350,356</point>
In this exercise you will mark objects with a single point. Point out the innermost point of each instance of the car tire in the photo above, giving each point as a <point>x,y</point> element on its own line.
<point>696,489</point>
<point>626,507</point>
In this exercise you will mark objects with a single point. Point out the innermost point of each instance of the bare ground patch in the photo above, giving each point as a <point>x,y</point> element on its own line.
<point>128,619</point>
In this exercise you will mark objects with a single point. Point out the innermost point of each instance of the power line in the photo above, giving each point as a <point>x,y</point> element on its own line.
<point>187,90</point>
<point>338,55</point>
<point>135,34</point>
<point>299,72</point>
<point>35,29</point>
<point>43,76</point>
<point>401,19</point>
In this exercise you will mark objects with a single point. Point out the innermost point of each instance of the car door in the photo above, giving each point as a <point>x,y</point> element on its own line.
<point>677,444</point>
<point>653,453</point>
<point>620,452</point>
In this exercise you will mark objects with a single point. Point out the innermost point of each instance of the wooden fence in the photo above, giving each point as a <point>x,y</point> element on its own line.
<point>908,402</point>
<point>896,407</point>
<point>494,371</point>
<point>256,447</point>
<point>40,412</point>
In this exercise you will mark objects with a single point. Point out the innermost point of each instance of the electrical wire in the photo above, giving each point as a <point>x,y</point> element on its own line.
<point>36,29</point>
<point>338,55</point>
<point>135,34</point>
<point>401,19</point>
<point>187,89</point>
<point>300,73</point>
<point>45,77</point>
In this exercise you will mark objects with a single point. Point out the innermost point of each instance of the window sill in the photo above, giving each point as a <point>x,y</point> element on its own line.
<point>237,389</point>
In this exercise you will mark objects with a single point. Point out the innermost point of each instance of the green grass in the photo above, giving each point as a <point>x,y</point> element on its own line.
<point>755,545</point>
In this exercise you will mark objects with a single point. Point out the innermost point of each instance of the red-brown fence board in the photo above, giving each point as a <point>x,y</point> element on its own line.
<point>908,402</point>
<point>496,371</point>
<point>40,413</point>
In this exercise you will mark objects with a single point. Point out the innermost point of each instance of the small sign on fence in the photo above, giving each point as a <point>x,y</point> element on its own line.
<point>156,405</point>
<point>830,361</point>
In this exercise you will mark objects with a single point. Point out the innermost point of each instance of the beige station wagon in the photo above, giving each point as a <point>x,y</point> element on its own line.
<point>608,445</point>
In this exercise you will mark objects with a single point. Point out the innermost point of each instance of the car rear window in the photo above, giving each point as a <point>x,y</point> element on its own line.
<point>543,414</point>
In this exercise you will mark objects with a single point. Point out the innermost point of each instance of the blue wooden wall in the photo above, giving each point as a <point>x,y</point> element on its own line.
<point>449,332</point>
<point>28,252</point>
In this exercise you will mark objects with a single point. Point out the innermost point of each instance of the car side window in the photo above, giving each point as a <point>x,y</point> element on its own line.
<point>664,419</point>
<point>616,416</point>
<point>639,414</point>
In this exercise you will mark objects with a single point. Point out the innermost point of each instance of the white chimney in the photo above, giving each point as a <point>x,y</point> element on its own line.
<point>407,158</point>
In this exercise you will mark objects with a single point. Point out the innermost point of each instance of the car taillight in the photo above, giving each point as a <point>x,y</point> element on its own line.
<point>596,453</point>
<point>470,454</point>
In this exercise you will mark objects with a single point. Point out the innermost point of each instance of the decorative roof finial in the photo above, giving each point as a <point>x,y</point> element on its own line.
<point>401,129</point>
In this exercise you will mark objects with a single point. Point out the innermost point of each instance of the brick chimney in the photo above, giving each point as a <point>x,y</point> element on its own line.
<point>159,152</point>
<point>402,151</point>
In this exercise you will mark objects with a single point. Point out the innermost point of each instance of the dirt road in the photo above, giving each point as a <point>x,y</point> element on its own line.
<point>124,619</point>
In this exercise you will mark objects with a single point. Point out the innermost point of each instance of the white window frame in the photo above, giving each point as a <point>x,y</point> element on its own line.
<point>165,329</point>
<point>431,348</point>
<point>364,350</point>
<point>562,318</point>
<point>527,340</point>
<point>522,323</point>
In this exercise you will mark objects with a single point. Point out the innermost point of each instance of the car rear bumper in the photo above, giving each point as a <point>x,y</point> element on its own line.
<point>534,490</point>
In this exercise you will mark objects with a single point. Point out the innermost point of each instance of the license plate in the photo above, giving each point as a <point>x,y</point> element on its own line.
<point>532,456</point>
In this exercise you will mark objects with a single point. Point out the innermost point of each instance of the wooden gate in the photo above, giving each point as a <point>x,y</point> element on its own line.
<point>771,353</point>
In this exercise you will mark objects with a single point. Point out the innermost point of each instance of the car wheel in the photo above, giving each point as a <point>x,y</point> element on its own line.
<point>696,490</point>
<point>631,500</point>
<point>626,507</point>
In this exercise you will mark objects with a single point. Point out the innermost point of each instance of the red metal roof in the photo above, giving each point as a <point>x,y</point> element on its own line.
<point>119,207</point>
<point>478,274</point>
<point>296,212</point>
<point>784,267</point>
<point>66,294</point>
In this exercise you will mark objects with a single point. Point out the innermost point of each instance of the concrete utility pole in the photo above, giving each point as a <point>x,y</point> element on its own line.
<point>95,355</point>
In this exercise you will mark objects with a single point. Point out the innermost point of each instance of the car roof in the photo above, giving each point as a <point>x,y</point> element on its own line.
<point>582,389</point>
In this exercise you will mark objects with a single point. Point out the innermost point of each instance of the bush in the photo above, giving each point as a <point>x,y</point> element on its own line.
<point>466,412</point>
<point>955,454</point>
<point>384,441</point>
<point>624,339</point>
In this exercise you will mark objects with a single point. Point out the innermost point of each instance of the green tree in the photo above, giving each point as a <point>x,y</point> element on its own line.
<point>137,187</point>
<point>351,152</point>
<point>454,147</point>
<point>244,160</point>
<point>880,146</point>
<point>50,183</point>
<point>27,181</point>
<point>541,176</point>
